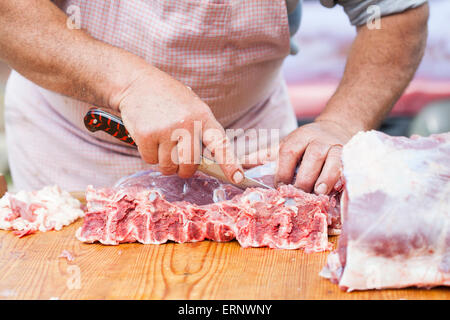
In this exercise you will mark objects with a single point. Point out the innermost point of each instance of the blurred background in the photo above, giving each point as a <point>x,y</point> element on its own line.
<point>313,74</point>
<point>324,40</point>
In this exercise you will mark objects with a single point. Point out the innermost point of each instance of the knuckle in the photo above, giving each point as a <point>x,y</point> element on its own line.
<point>335,152</point>
<point>316,144</point>
<point>284,176</point>
<point>333,174</point>
<point>218,141</point>
<point>330,176</point>
<point>333,164</point>
<point>149,158</point>
<point>317,150</point>
<point>283,179</point>
<point>305,180</point>
<point>286,149</point>
<point>315,154</point>
<point>304,185</point>
<point>186,171</point>
<point>185,175</point>
<point>167,169</point>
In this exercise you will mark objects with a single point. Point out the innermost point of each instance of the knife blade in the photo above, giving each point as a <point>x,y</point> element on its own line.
<point>100,120</point>
<point>213,169</point>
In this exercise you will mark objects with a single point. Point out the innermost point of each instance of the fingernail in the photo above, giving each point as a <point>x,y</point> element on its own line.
<point>321,188</point>
<point>238,177</point>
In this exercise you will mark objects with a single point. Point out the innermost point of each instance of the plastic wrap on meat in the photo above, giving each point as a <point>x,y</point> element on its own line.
<point>200,189</point>
<point>149,208</point>
<point>396,213</point>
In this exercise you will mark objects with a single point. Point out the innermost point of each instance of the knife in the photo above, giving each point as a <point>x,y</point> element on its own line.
<point>100,120</point>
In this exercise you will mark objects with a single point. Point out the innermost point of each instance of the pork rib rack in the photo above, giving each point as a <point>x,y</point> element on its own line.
<point>395,212</point>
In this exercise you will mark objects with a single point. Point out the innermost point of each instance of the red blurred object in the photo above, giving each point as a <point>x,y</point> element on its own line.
<point>309,99</point>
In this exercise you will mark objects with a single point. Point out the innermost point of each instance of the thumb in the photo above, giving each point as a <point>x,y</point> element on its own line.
<point>216,141</point>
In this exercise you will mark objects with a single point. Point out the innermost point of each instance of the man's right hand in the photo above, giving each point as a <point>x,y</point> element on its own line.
<point>168,122</point>
<point>152,103</point>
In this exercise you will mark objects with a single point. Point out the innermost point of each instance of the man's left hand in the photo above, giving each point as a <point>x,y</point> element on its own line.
<point>316,148</point>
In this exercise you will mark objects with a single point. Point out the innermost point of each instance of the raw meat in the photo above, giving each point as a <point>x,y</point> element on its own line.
<point>286,218</point>
<point>202,189</point>
<point>265,173</point>
<point>47,209</point>
<point>199,190</point>
<point>396,213</point>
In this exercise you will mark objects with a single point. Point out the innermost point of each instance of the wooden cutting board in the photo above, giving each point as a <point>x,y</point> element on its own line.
<point>3,185</point>
<point>30,268</point>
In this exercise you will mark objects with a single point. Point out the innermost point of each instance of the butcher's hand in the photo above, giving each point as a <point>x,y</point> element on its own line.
<point>316,150</point>
<point>169,124</point>
<point>380,65</point>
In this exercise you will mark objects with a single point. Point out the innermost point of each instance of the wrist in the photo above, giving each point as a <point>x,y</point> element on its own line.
<point>124,79</point>
<point>345,113</point>
<point>350,125</point>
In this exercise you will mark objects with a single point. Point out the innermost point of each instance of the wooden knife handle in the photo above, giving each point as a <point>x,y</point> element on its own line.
<point>97,119</point>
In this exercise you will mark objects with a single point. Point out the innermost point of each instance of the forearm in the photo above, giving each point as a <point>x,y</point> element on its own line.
<point>380,65</point>
<point>36,42</point>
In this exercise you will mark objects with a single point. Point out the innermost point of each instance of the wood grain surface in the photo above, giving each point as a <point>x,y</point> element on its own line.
<point>3,185</point>
<point>30,268</point>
